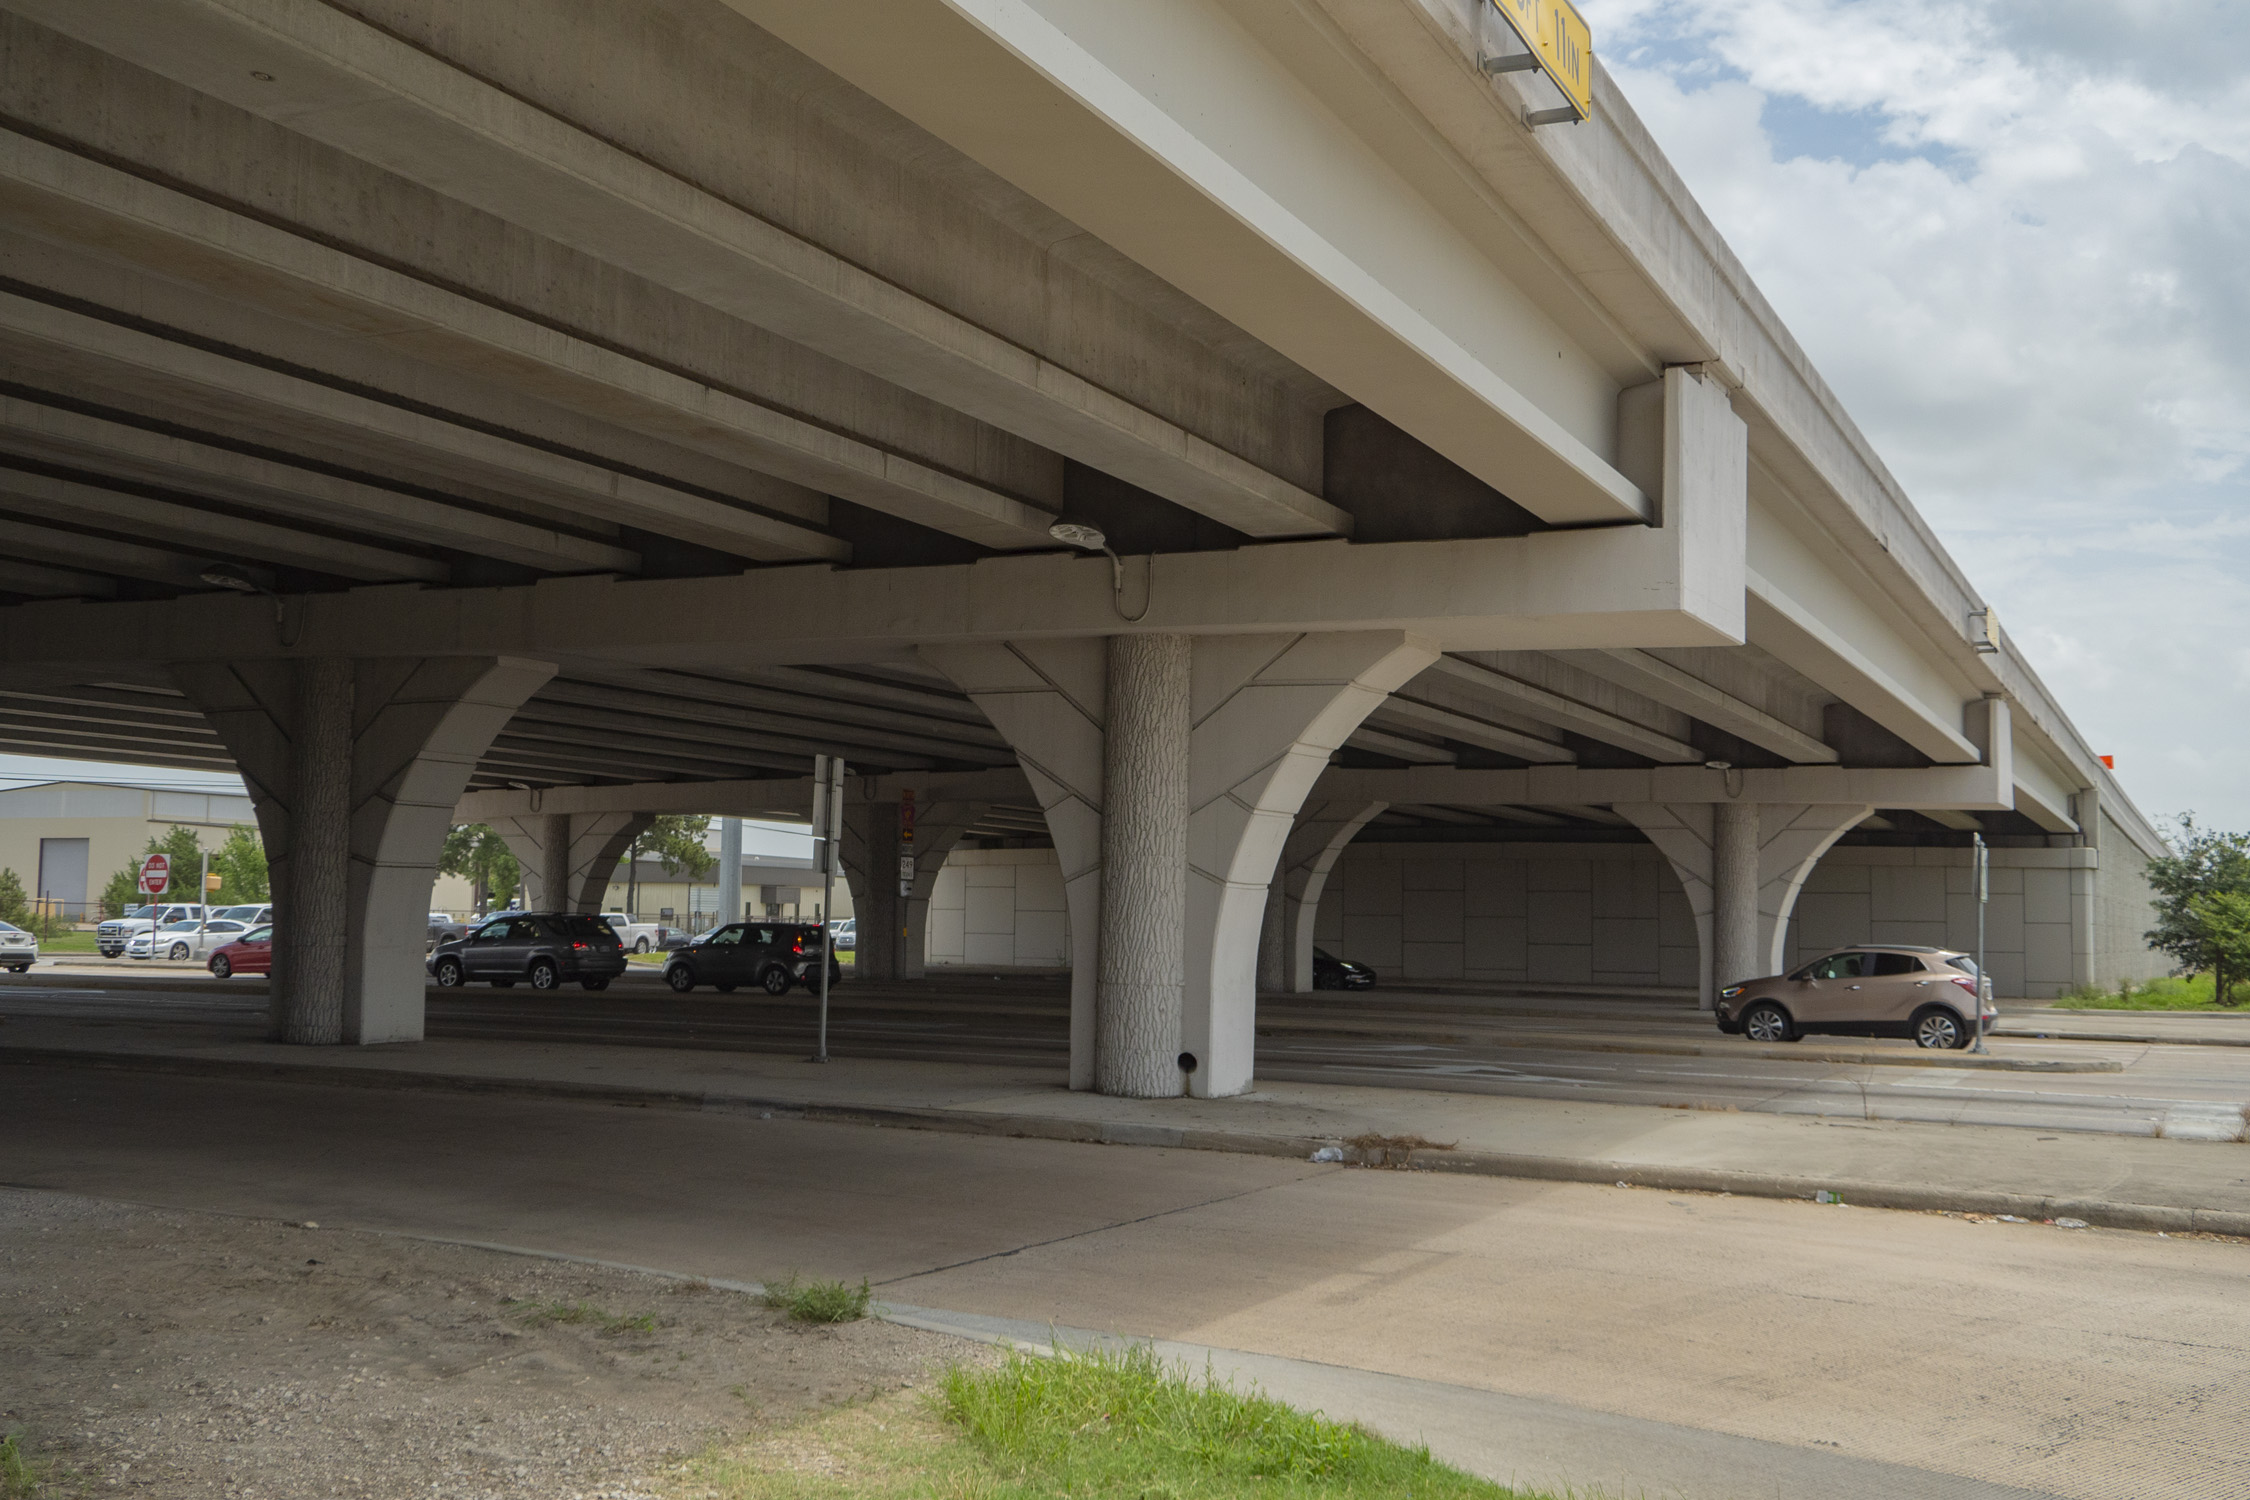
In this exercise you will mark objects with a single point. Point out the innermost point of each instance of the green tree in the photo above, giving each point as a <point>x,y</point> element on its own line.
<point>183,848</point>
<point>2197,888</point>
<point>2225,916</point>
<point>15,906</point>
<point>241,865</point>
<point>676,841</point>
<point>480,856</point>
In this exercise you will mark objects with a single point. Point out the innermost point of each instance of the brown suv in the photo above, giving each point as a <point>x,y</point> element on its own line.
<point>1870,989</point>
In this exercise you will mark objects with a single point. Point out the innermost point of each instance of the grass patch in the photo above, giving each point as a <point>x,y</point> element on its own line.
<point>539,1314</point>
<point>62,940</point>
<point>21,1477</point>
<point>818,1301</point>
<point>1094,1426</point>
<point>2193,993</point>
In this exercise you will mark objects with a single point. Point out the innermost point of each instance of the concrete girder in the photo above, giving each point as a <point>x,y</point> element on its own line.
<point>1799,635</point>
<point>1472,731</point>
<point>373,96</point>
<point>59,546</point>
<point>722,735</point>
<point>1400,747</point>
<point>1267,198</point>
<point>416,315</point>
<point>803,726</point>
<point>1551,589</point>
<point>1970,788</point>
<point>1691,695</point>
<point>354,768</point>
<point>1566,713</point>
<point>268,484</point>
<point>782,798</point>
<point>689,693</point>
<point>89,501</point>
<point>40,581</point>
<point>540,744</point>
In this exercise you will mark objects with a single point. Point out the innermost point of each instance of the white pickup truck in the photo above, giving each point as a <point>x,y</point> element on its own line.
<point>634,937</point>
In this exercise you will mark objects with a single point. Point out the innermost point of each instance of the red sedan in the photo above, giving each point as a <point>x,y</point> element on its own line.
<point>251,953</point>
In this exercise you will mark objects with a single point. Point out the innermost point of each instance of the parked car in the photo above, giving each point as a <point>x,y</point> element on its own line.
<point>251,953</point>
<point>186,939</point>
<point>771,955</point>
<point>638,937</point>
<point>253,914</point>
<point>112,936</point>
<point>1869,989</point>
<point>846,930</point>
<point>443,929</point>
<point>543,949</point>
<point>1332,973</point>
<point>19,950</point>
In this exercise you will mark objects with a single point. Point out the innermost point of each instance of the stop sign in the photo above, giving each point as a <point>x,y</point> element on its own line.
<point>156,874</point>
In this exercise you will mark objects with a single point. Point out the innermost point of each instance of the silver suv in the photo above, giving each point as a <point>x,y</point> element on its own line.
<point>1868,989</point>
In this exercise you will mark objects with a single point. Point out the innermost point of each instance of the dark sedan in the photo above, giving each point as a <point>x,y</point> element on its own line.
<point>542,949</point>
<point>1332,973</point>
<point>771,955</point>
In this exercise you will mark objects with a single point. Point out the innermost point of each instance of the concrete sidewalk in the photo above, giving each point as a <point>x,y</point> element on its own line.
<point>2119,1181</point>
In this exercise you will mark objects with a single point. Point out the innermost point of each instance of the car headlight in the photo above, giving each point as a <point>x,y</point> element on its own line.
<point>1732,992</point>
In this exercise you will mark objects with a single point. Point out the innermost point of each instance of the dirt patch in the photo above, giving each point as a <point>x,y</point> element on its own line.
<point>186,1355</point>
<point>1392,1150</point>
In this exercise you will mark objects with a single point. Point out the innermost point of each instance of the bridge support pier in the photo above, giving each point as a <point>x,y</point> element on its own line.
<point>1742,865</point>
<point>893,929</point>
<point>1263,713</point>
<point>569,859</point>
<point>354,767</point>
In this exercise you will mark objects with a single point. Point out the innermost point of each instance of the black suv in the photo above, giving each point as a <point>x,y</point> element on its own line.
<point>771,955</point>
<point>542,948</point>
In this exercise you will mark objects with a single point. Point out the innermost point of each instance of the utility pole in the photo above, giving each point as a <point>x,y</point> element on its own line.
<point>1983,865</point>
<point>828,835</point>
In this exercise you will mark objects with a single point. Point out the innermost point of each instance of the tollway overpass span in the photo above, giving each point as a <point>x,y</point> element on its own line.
<point>560,414</point>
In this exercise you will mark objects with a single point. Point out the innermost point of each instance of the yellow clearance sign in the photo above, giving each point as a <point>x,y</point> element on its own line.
<point>1559,38</point>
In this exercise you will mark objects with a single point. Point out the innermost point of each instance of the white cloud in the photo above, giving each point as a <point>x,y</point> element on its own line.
<point>2012,233</point>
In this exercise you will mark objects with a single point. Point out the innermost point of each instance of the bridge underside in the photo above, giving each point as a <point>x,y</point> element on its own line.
<point>580,412</point>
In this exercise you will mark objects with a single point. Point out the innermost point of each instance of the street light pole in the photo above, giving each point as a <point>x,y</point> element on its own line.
<point>1982,860</point>
<point>828,827</point>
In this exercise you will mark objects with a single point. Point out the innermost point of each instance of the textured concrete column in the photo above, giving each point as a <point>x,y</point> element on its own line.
<point>1734,893</point>
<point>554,863</point>
<point>355,767</point>
<point>1143,973</point>
<point>308,994</point>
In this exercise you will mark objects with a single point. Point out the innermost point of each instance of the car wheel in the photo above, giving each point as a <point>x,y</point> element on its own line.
<point>775,981</point>
<point>448,973</point>
<point>640,945</point>
<point>179,950</point>
<point>1938,1028</point>
<point>544,975</point>
<point>680,978</point>
<point>220,968</point>
<point>1768,1023</point>
<point>594,984</point>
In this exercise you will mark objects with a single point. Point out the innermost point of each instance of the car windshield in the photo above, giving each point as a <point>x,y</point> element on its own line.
<point>182,926</point>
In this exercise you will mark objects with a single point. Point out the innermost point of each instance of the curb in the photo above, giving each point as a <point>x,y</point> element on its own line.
<point>1362,1152</point>
<point>1792,1052</point>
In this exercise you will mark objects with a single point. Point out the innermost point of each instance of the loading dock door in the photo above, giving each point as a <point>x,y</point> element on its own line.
<point>62,877</point>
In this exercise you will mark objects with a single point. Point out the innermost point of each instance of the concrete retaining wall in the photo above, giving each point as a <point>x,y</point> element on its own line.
<point>999,908</point>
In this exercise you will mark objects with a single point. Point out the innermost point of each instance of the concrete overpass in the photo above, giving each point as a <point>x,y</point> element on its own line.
<point>559,414</point>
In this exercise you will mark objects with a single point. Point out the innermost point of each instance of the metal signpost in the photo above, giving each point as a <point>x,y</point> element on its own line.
<point>828,838</point>
<point>1983,865</point>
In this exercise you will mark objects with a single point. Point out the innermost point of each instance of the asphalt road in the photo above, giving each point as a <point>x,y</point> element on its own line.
<point>1561,1050</point>
<point>1646,1342</point>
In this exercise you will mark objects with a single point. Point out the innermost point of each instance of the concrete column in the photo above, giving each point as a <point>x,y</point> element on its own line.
<point>1273,939</point>
<point>1786,842</point>
<point>1143,959</point>
<point>354,768</point>
<point>307,998</point>
<point>730,869</point>
<point>569,862</point>
<point>554,863</point>
<point>871,862</point>
<point>1265,713</point>
<point>1734,893</point>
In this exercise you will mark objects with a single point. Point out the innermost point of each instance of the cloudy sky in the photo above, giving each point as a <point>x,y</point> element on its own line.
<point>2015,237</point>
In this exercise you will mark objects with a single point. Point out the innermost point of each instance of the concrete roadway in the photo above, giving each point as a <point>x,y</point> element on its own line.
<point>1649,1343</point>
<point>1617,1052</point>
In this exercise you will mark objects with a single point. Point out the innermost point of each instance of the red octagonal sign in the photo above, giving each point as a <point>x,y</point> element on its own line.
<point>156,874</point>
